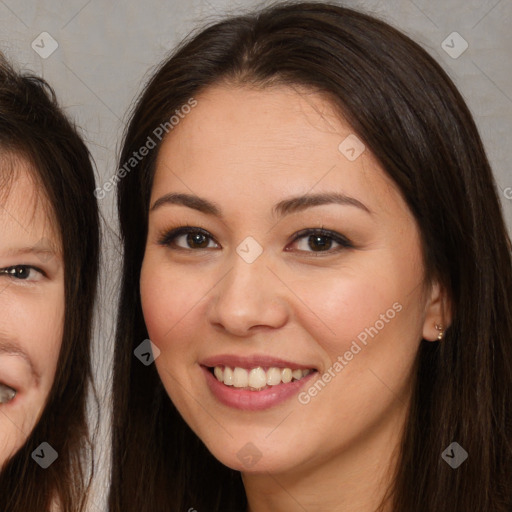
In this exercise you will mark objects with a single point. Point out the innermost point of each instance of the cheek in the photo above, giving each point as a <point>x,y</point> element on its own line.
<point>338,307</point>
<point>45,331</point>
<point>169,300</point>
<point>376,306</point>
<point>157,300</point>
<point>170,306</point>
<point>17,421</point>
<point>13,434</point>
<point>36,322</point>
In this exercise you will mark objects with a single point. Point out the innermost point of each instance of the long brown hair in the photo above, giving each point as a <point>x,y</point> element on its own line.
<point>408,112</point>
<point>34,128</point>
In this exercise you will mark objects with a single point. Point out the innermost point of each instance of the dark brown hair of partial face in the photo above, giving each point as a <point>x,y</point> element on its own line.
<point>409,114</point>
<point>34,129</point>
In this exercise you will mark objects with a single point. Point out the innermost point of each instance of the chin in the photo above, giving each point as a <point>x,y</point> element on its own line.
<point>253,457</point>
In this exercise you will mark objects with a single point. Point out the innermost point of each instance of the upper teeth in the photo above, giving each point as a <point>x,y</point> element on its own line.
<point>257,378</point>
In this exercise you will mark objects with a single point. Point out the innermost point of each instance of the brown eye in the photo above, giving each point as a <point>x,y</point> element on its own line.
<point>186,238</point>
<point>22,272</point>
<point>321,240</point>
<point>197,240</point>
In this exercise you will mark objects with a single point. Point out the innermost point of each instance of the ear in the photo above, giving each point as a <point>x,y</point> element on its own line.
<point>438,311</point>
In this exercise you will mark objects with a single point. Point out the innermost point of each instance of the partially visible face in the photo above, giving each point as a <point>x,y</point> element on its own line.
<point>31,309</point>
<point>250,311</point>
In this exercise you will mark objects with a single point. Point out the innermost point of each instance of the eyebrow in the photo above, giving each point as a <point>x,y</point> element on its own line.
<point>38,251</point>
<point>285,207</point>
<point>13,349</point>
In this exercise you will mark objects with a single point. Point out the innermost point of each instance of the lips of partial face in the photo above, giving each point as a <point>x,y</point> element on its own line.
<point>6,393</point>
<point>17,375</point>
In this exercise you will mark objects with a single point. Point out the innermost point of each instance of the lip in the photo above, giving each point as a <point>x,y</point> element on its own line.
<point>246,400</point>
<point>253,361</point>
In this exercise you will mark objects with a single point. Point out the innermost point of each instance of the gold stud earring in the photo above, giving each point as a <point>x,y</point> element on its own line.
<point>441,332</point>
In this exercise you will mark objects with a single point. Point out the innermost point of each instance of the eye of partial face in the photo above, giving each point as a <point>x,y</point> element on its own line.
<point>6,393</point>
<point>22,272</point>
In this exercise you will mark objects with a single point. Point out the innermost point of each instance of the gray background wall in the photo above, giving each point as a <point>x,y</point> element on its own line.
<point>106,50</point>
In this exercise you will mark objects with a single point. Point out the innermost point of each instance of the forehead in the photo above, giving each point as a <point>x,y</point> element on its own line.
<point>25,212</point>
<point>262,144</point>
<point>269,121</point>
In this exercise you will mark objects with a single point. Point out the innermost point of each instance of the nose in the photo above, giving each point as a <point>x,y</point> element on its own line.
<point>248,298</point>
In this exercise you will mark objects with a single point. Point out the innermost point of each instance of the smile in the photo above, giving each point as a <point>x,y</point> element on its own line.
<point>258,378</point>
<point>254,384</point>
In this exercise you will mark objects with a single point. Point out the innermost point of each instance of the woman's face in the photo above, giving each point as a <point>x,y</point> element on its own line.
<point>282,348</point>
<point>31,309</point>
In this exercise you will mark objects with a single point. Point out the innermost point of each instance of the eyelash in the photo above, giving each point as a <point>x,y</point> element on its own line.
<point>7,271</point>
<point>167,238</point>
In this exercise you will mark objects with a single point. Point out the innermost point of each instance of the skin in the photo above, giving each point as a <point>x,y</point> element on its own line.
<point>246,150</point>
<point>31,309</point>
